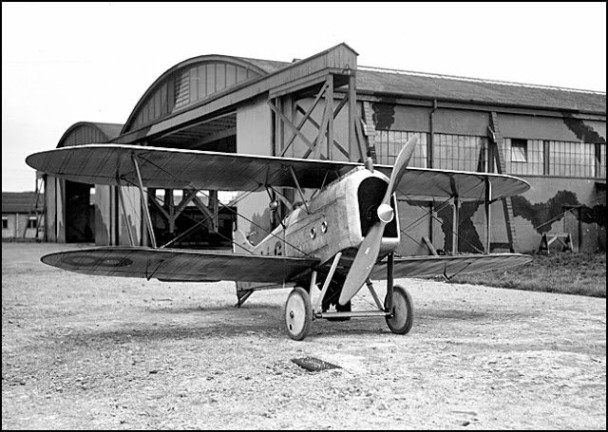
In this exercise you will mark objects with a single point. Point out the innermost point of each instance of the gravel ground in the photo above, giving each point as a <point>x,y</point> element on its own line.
<point>81,352</point>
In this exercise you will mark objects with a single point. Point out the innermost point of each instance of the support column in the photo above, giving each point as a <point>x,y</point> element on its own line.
<point>487,203</point>
<point>497,142</point>
<point>455,225</point>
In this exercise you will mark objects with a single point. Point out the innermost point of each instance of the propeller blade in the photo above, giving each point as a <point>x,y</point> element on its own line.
<point>363,263</point>
<point>403,159</point>
<point>367,255</point>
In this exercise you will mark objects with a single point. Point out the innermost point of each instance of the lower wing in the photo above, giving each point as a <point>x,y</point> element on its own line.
<point>180,264</point>
<point>449,265</point>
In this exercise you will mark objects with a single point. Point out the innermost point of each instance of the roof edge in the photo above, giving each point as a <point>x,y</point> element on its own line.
<point>101,127</point>
<point>239,61</point>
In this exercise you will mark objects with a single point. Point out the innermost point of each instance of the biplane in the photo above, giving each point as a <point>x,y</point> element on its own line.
<point>327,248</point>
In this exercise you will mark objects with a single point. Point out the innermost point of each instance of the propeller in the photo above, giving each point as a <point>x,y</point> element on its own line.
<point>367,255</point>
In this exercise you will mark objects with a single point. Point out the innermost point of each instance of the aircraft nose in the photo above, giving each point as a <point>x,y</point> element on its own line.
<point>385,213</point>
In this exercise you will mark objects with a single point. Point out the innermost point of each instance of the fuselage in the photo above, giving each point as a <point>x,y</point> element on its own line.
<point>335,220</point>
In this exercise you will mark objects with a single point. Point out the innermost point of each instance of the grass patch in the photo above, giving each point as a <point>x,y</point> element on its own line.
<point>565,273</point>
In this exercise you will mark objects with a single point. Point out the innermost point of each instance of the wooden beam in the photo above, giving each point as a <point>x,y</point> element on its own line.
<point>329,100</point>
<point>305,83</point>
<point>216,136</point>
<point>317,143</point>
<point>318,126</point>
<point>361,140</point>
<point>352,107</point>
<point>201,206</point>
<point>455,224</point>
<point>487,204</point>
<point>152,194</point>
<point>303,120</point>
<point>288,122</point>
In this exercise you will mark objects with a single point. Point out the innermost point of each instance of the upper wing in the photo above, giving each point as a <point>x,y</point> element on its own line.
<point>112,164</point>
<point>435,183</point>
<point>449,265</point>
<point>180,264</point>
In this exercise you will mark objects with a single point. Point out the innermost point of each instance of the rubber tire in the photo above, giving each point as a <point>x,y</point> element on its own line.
<point>402,305</point>
<point>298,297</point>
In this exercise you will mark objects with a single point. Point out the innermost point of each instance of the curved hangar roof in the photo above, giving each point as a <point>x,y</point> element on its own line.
<point>89,132</point>
<point>193,81</point>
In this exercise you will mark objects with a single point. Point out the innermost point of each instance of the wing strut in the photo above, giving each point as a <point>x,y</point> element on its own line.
<point>144,204</point>
<point>295,179</point>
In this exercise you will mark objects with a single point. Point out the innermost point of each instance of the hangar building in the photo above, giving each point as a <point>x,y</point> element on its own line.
<point>328,107</point>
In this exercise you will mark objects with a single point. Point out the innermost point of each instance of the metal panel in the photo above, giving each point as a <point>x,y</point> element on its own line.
<point>528,127</point>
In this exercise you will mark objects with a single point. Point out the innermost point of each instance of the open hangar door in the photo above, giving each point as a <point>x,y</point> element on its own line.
<point>79,213</point>
<point>195,219</point>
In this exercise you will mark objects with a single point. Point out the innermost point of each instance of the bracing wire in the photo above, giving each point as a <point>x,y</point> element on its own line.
<point>441,206</point>
<point>230,209</point>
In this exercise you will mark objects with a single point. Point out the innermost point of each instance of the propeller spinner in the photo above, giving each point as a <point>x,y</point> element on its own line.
<point>367,255</point>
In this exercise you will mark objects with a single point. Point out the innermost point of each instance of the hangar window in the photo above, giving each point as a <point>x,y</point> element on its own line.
<point>460,152</point>
<point>4,223</point>
<point>527,156</point>
<point>389,143</point>
<point>519,150</point>
<point>573,159</point>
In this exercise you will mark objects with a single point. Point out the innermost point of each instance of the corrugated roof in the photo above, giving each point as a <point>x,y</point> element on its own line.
<point>400,83</point>
<point>472,90</point>
<point>18,202</point>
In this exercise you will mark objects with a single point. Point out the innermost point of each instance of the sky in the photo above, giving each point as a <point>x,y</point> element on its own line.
<point>68,62</point>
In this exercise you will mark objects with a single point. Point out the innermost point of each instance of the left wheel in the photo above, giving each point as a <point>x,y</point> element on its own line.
<point>401,319</point>
<point>298,314</point>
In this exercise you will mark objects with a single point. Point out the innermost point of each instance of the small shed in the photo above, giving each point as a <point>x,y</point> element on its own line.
<point>19,216</point>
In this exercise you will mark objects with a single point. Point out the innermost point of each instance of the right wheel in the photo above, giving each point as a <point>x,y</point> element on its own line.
<point>298,314</point>
<point>401,319</point>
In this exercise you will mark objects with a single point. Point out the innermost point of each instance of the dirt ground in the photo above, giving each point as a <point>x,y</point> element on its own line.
<point>81,352</point>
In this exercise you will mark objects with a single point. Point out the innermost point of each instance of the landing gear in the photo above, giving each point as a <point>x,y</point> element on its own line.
<point>331,298</point>
<point>300,311</point>
<point>298,314</point>
<point>401,311</point>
